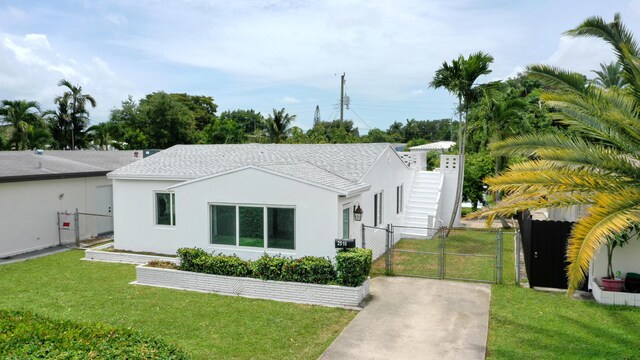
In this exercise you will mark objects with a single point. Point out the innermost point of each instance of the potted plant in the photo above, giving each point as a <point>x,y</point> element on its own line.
<point>611,283</point>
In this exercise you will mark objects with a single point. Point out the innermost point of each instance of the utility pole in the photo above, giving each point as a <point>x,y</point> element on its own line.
<point>342,97</point>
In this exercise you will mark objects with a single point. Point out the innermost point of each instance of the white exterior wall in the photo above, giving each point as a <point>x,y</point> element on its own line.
<point>315,227</point>
<point>28,211</point>
<point>134,217</point>
<point>449,167</point>
<point>625,259</point>
<point>386,174</point>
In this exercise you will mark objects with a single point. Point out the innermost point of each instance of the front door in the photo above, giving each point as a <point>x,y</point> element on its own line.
<point>104,206</point>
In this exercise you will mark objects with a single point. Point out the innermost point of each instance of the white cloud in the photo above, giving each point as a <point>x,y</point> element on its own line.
<point>417,92</point>
<point>581,54</point>
<point>289,100</point>
<point>30,68</point>
<point>116,19</point>
<point>37,41</point>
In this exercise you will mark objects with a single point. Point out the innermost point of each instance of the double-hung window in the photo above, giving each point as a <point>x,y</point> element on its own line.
<point>377,209</point>
<point>165,208</point>
<point>253,226</point>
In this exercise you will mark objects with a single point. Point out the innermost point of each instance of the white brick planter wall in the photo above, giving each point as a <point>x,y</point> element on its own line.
<point>613,297</point>
<point>329,295</point>
<point>110,256</point>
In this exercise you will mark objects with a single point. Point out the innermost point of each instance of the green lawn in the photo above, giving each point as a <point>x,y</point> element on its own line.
<point>528,324</point>
<point>207,326</point>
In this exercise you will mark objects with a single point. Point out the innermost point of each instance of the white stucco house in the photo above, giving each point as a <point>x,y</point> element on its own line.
<point>35,186</point>
<point>248,199</point>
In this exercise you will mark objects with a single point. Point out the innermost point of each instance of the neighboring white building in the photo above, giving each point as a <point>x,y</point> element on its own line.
<point>34,186</point>
<point>254,198</point>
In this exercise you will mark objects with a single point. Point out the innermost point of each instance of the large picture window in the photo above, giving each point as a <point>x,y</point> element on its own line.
<point>165,208</point>
<point>257,226</point>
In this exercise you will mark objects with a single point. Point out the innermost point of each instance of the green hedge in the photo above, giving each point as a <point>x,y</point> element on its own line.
<point>352,267</point>
<point>27,336</point>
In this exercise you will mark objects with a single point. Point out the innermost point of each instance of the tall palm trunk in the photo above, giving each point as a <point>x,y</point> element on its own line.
<point>460,178</point>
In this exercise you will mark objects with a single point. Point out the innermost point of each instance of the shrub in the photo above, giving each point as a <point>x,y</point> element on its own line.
<point>353,266</point>
<point>227,265</point>
<point>187,257</point>
<point>310,269</point>
<point>270,267</point>
<point>28,336</point>
<point>162,264</point>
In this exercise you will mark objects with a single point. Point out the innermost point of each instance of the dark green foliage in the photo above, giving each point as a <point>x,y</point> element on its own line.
<point>270,267</point>
<point>353,266</point>
<point>198,260</point>
<point>27,336</point>
<point>188,256</point>
<point>477,167</point>
<point>310,269</point>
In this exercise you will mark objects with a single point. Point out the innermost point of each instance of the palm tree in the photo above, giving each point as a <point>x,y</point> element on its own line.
<point>609,76</point>
<point>459,78</point>
<point>279,125</point>
<point>597,165</point>
<point>75,101</point>
<point>25,121</point>
<point>102,134</point>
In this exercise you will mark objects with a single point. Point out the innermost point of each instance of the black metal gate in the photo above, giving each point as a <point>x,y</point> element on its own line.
<point>545,245</point>
<point>456,254</point>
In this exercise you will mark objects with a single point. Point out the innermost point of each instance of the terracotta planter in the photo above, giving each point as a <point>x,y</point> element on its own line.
<point>615,285</point>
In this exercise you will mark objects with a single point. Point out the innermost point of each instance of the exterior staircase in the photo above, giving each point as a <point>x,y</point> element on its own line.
<point>420,218</point>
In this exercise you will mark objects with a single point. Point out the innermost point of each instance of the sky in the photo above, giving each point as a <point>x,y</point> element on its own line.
<point>266,54</point>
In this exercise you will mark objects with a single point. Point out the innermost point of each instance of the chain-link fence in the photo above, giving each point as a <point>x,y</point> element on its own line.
<point>81,229</point>
<point>455,254</point>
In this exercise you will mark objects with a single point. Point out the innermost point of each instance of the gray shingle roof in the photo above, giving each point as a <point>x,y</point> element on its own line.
<point>25,164</point>
<point>338,166</point>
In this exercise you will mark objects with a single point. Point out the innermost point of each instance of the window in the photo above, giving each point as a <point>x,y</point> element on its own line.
<point>223,225</point>
<point>251,226</point>
<point>345,223</point>
<point>165,208</point>
<point>281,228</point>
<point>399,198</point>
<point>377,209</point>
<point>257,226</point>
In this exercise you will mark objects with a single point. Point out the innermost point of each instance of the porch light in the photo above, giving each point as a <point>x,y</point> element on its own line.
<point>357,212</point>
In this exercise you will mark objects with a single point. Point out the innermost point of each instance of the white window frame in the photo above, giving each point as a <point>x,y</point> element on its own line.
<point>265,219</point>
<point>172,213</point>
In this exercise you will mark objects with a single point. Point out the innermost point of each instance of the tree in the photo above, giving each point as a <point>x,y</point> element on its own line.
<point>279,125</point>
<point>130,128</point>
<point>223,131</point>
<point>250,120</point>
<point>202,107</point>
<point>596,165</point>
<point>75,102</point>
<point>27,129</point>
<point>609,76</point>
<point>102,135</point>
<point>166,121</point>
<point>459,78</point>
<point>316,116</point>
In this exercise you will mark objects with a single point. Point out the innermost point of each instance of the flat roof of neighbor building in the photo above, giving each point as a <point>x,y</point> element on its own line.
<point>60,164</point>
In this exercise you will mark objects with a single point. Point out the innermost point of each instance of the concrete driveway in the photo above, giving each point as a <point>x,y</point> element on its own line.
<point>410,318</point>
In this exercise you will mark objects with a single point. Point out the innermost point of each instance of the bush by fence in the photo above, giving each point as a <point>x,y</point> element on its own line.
<point>352,267</point>
<point>28,336</point>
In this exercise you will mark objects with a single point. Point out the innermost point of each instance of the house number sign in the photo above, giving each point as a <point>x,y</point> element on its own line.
<point>345,243</point>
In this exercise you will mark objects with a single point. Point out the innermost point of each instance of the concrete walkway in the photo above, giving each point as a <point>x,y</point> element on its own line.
<point>410,318</point>
<point>33,255</point>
